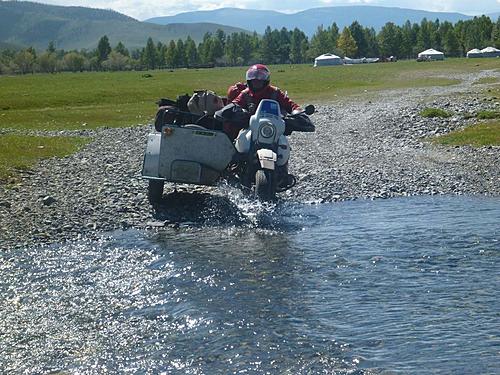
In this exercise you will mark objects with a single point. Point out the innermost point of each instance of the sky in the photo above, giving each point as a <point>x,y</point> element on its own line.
<point>143,9</point>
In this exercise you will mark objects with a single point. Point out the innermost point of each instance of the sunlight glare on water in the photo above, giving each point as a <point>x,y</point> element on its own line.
<point>400,286</point>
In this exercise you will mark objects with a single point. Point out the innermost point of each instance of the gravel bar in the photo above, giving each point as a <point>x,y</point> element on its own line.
<point>365,147</point>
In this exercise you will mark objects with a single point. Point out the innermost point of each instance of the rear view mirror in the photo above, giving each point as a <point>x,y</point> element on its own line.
<point>309,110</point>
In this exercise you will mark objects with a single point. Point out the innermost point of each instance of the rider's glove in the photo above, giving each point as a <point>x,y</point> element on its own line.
<point>297,111</point>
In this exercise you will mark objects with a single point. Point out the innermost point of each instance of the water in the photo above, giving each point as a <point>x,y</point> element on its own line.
<point>400,286</point>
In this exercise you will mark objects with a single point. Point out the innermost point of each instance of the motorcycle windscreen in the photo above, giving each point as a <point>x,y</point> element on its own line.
<point>271,107</point>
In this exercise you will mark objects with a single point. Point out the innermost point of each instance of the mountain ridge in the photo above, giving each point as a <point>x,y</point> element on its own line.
<point>308,20</point>
<point>25,23</point>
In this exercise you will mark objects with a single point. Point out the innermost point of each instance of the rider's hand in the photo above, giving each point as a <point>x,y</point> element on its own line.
<point>297,111</point>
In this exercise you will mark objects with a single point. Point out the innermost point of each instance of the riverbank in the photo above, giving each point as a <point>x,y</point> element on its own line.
<point>364,148</point>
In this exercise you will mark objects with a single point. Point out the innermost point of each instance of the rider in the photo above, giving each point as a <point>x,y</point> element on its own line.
<point>258,78</point>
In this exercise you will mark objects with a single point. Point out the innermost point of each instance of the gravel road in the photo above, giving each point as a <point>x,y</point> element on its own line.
<point>365,147</point>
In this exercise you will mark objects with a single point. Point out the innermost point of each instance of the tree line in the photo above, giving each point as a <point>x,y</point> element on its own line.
<point>274,47</point>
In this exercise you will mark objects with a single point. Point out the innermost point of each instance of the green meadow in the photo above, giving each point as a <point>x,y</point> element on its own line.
<point>482,134</point>
<point>72,101</point>
<point>19,152</point>
<point>91,100</point>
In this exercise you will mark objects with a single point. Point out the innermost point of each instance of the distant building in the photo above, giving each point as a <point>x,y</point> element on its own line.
<point>474,53</point>
<point>490,52</point>
<point>431,55</point>
<point>328,59</point>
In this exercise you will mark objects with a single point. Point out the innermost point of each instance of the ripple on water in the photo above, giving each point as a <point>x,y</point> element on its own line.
<point>408,286</point>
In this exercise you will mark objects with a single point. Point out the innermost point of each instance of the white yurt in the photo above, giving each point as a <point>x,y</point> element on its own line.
<point>474,53</point>
<point>431,54</point>
<point>328,59</point>
<point>490,52</point>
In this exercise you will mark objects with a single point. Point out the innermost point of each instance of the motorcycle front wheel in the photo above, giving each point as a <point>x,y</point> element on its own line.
<point>265,186</point>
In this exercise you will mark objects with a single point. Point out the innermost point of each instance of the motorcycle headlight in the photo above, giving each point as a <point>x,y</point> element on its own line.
<point>267,131</point>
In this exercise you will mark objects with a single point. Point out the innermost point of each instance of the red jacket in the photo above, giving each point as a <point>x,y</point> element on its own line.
<point>235,90</point>
<point>247,97</point>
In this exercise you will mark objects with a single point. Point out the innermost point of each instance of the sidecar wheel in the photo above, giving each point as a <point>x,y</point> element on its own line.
<point>265,188</point>
<point>155,191</point>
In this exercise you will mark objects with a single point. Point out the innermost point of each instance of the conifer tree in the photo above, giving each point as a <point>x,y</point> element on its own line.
<point>120,48</point>
<point>171,57</point>
<point>216,51</point>
<point>333,36</point>
<point>204,48</point>
<point>359,37</point>
<point>389,40</point>
<point>181,60</point>
<point>407,40</point>
<point>495,34</point>
<point>149,56</point>
<point>51,48</point>
<point>103,49</point>
<point>298,46</point>
<point>161,51</point>
<point>283,42</point>
<point>269,46</point>
<point>371,42</point>
<point>191,52</point>
<point>321,42</point>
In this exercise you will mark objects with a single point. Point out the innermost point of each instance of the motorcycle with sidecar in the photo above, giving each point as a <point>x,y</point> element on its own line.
<point>189,149</point>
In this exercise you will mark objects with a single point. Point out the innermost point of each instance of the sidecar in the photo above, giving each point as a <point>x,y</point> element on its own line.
<point>189,154</point>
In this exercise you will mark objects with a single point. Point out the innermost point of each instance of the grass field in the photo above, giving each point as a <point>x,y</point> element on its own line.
<point>18,152</point>
<point>493,92</point>
<point>483,134</point>
<point>90,100</point>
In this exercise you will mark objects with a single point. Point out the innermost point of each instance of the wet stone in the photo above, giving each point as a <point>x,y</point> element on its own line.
<point>48,200</point>
<point>156,224</point>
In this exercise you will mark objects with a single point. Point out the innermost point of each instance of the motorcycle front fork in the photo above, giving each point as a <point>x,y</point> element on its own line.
<point>245,176</point>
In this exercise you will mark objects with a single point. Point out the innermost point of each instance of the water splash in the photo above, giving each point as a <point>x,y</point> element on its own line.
<point>250,208</point>
<point>229,207</point>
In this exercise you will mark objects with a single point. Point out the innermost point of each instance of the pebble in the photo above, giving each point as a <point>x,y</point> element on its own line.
<point>5,204</point>
<point>48,200</point>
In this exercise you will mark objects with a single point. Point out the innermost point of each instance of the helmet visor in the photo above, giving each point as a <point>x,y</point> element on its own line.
<point>259,74</point>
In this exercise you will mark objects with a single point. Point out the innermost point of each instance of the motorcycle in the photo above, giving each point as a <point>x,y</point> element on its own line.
<point>263,150</point>
<point>199,152</point>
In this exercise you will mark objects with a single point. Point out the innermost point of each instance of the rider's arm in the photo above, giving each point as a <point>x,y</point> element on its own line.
<point>286,103</point>
<point>240,100</point>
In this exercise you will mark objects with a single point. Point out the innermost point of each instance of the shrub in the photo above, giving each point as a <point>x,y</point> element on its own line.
<point>488,115</point>
<point>434,112</point>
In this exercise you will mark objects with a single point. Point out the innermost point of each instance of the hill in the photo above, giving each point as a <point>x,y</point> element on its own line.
<point>10,46</point>
<point>32,24</point>
<point>309,20</point>
<point>494,16</point>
